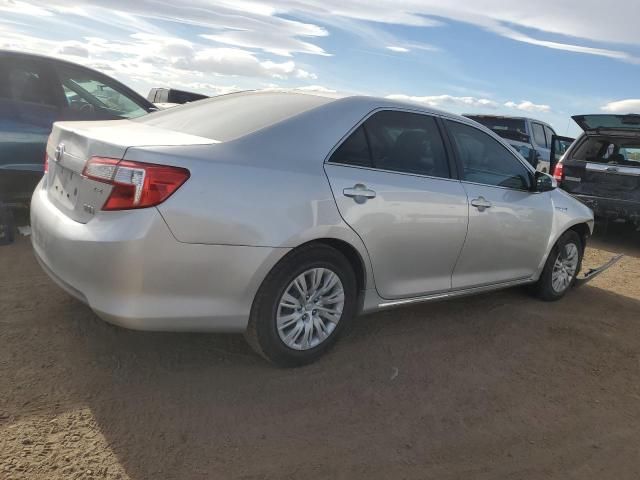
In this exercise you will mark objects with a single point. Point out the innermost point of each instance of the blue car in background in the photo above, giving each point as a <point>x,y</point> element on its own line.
<point>36,91</point>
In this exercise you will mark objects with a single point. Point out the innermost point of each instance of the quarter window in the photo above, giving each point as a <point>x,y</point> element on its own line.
<point>397,141</point>
<point>354,150</point>
<point>484,160</point>
<point>538,135</point>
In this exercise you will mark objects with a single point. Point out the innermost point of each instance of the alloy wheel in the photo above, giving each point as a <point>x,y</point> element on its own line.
<point>310,308</point>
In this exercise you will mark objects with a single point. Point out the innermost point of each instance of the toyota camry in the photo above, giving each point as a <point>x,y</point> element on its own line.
<point>283,215</point>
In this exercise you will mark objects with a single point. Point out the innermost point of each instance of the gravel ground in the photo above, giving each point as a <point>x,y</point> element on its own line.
<point>499,386</point>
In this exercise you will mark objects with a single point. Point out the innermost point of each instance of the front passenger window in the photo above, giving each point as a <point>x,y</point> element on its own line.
<point>484,160</point>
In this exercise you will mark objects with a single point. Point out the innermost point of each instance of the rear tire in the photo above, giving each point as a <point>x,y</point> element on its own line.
<point>285,326</point>
<point>558,275</point>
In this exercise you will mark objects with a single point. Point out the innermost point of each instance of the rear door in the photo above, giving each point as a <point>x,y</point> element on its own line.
<point>392,183</point>
<point>28,108</point>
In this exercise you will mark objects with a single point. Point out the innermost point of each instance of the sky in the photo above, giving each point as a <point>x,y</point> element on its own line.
<point>547,59</point>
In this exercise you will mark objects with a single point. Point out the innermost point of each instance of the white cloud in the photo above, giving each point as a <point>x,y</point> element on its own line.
<point>398,49</point>
<point>74,49</point>
<point>234,61</point>
<point>316,88</point>
<point>601,52</point>
<point>575,26</point>
<point>528,106</point>
<point>304,75</point>
<point>630,105</point>
<point>570,25</point>
<point>23,8</point>
<point>446,100</point>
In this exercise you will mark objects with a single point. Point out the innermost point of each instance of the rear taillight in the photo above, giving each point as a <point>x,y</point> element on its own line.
<point>46,163</point>
<point>558,172</point>
<point>135,184</point>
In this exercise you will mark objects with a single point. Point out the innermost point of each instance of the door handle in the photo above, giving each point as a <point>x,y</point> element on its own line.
<point>481,204</point>
<point>359,192</point>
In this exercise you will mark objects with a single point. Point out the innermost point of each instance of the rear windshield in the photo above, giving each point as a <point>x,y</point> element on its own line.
<point>607,150</point>
<point>228,117</point>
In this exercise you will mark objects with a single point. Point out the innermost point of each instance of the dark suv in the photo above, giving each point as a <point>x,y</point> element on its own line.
<point>602,167</point>
<point>36,91</point>
<point>530,137</point>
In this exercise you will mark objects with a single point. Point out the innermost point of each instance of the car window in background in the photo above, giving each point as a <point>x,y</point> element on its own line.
<point>407,142</point>
<point>500,124</point>
<point>631,155</point>
<point>548,133</point>
<point>486,161</point>
<point>538,135</point>
<point>25,82</point>
<point>353,151</point>
<point>89,94</point>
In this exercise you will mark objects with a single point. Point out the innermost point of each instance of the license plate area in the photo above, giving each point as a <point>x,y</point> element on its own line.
<point>64,186</point>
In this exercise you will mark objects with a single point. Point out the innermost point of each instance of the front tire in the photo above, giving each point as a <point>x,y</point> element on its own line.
<point>302,306</point>
<point>562,268</point>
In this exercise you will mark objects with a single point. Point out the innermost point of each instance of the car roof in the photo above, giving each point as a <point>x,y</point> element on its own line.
<point>364,102</point>
<point>46,58</point>
<point>256,110</point>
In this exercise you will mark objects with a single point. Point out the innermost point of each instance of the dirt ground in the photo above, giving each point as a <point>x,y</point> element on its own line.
<point>499,386</point>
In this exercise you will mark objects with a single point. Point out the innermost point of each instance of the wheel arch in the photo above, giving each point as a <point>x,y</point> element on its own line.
<point>351,254</point>
<point>581,227</point>
<point>583,230</point>
<point>355,257</point>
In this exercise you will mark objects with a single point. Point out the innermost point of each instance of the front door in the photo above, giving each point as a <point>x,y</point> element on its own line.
<point>509,225</point>
<point>392,184</point>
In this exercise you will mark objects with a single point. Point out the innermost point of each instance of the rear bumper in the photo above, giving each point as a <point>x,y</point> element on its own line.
<point>611,208</point>
<point>130,270</point>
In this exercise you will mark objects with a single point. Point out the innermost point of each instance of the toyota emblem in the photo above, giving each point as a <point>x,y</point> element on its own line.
<point>59,153</point>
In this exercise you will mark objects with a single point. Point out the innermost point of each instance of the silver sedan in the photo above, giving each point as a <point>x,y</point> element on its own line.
<point>283,215</point>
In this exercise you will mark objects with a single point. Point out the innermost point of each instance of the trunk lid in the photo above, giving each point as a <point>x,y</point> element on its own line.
<point>72,144</point>
<point>609,124</point>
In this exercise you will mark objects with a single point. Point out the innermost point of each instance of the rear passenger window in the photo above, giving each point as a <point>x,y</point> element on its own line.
<point>407,142</point>
<point>484,160</point>
<point>25,82</point>
<point>538,135</point>
<point>397,141</point>
<point>353,151</point>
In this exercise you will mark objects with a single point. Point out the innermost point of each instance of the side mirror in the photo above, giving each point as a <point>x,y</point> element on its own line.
<point>544,182</point>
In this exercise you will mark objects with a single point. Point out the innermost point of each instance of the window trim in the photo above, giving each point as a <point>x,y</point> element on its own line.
<point>460,167</point>
<point>451,163</point>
